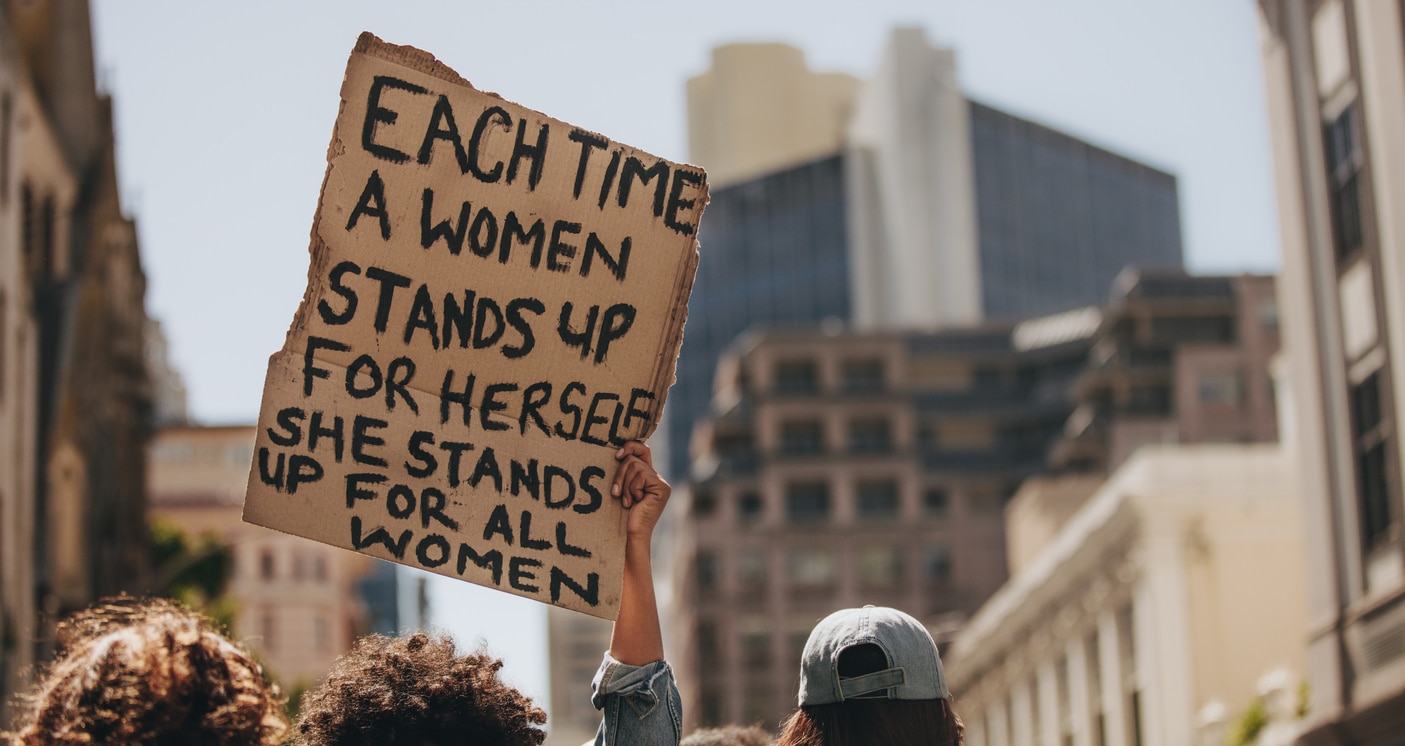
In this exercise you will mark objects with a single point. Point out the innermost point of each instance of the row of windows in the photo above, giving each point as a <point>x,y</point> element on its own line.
<point>177,452</point>
<point>303,566</point>
<point>811,502</point>
<point>806,437</point>
<point>1373,435</point>
<point>802,376</point>
<point>811,568</point>
<point>874,435</point>
<point>272,634</point>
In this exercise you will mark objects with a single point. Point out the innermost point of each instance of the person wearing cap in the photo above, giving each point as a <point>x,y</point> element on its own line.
<point>871,676</point>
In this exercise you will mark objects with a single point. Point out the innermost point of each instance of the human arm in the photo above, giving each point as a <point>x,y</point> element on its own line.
<point>637,638</point>
<point>635,688</point>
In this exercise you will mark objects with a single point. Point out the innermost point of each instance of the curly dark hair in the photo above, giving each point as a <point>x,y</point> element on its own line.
<point>149,671</point>
<point>416,690</point>
<point>729,735</point>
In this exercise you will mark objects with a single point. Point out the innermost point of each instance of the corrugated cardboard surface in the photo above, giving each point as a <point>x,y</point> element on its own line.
<point>537,273</point>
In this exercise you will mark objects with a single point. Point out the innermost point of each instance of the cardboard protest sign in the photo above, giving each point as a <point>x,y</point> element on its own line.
<point>494,305</point>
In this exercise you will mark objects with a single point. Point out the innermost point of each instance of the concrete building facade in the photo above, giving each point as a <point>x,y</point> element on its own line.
<point>742,124</point>
<point>1335,76</point>
<point>75,393</point>
<point>1152,615</point>
<point>962,451</point>
<point>844,469</point>
<point>1179,359</point>
<point>298,604</point>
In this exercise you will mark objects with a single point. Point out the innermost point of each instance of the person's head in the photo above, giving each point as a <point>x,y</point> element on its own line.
<point>871,676</point>
<point>729,735</point>
<point>396,691</point>
<point>150,672</point>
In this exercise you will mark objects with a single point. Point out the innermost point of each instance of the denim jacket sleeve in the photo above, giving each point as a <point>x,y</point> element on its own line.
<point>640,705</point>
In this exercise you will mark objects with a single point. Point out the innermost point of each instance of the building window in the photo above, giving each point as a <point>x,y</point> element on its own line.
<point>1372,430</point>
<point>756,650</point>
<point>48,238</point>
<point>704,503</point>
<point>1137,728</point>
<point>706,568</point>
<point>1345,162</point>
<point>29,229</point>
<point>802,437</point>
<point>862,376</point>
<point>796,377</point>
<point>266,564</point>
<point>268,627</point>
<point>7,106</point>
<point>299,565</point>
<point>810,568</point>
<point>1173,330</point>
<point>878,500</point>
<point>870,435</point>
<point>935,503</point>
<point>751,570</point>
<point>1149,400</point>
<point>321,634</point>
<point>928,435</point>
<point>320,568</point>
<point>936,564</point>
<point>880,566</point>
<point>711,706</point>
<point>708,647</point>
<point>4,342</point>
<point>1268,313</point>
<point>749,508</point>
<point>807,502</point>
<point>1221,388</point>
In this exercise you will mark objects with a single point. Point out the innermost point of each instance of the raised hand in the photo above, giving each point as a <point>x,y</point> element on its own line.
<point>639,488</point>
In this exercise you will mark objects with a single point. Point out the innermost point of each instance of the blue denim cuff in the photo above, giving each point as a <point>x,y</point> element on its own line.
<point>634,683</point>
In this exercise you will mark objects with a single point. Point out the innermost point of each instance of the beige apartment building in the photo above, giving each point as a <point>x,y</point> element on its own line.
<point>1335,76</point>
<point>759,108</point>
<point>1150,618</point>
<point>297,601</point>
<point>840,469</point>
<point>1179,359</point>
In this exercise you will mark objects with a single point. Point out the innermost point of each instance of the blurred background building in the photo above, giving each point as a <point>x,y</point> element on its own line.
<point>297,603</point>
<point>577,645</point>
<point>1178,359</point>
<point>850,468</point>
<point>920,322</point>
<point>1335,72</point>
<point>898,203</point>
<point>75,393</point>
<point>1161,599</point>
<point>839,468</point>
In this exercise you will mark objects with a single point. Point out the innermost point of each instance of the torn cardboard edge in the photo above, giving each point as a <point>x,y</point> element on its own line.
<point>368,44</point>
<point>310,516</point>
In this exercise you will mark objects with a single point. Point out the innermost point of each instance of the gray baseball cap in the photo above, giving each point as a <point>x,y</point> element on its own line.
<point>914,669</point>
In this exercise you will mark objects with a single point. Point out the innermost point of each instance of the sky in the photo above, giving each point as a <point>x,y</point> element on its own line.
<point>224,112</point>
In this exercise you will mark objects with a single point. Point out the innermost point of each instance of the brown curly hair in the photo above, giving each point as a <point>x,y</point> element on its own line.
<point>416,690</point>
<point>150,671</point>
